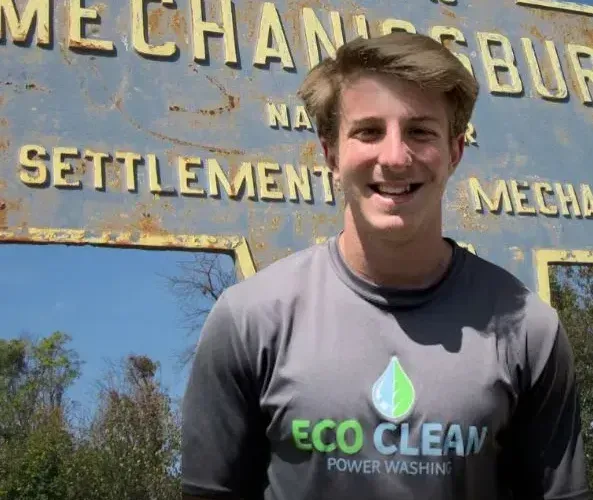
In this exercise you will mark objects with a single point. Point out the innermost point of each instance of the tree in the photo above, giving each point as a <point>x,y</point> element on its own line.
<point>34,434</point>
<point>132,449</point>
<point>571,289</point>
<point>197,286</point>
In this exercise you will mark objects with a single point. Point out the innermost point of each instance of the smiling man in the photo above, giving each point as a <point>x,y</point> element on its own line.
<point>388,362</point>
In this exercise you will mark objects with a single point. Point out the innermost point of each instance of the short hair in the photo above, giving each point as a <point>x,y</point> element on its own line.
<point>411,57</point>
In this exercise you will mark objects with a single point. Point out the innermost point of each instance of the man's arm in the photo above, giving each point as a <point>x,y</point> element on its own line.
<point>221,428</point>
<point>546,456</point>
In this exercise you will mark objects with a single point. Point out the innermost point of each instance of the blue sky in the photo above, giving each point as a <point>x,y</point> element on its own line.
<point>112,302</point>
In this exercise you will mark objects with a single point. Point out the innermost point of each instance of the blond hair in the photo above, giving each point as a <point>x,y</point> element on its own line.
<point>411,57</point>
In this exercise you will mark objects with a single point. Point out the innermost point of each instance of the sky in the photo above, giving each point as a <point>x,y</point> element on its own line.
<point>112,302</point>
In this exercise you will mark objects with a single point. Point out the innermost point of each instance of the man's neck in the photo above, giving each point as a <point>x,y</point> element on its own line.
<point>418,263</point>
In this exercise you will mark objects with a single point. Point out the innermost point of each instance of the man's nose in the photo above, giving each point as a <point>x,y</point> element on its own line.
<point>394,152</point>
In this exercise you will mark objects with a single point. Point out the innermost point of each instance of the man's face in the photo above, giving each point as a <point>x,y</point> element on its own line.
<point>393,156</point>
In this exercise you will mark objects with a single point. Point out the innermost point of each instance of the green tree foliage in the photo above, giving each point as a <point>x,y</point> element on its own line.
<point>571,288</point>
<point>129,450</point>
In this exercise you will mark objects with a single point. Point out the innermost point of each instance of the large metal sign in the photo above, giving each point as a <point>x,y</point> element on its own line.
<point>174,124</point>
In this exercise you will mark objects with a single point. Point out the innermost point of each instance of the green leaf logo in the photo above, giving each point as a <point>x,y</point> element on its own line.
<point>393,392</point>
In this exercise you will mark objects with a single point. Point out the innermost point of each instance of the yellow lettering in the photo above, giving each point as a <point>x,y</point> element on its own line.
<point>391,25</point>
<point>130,160</point>
<point>77,40</point>
<point>561,90</point>
<point>20,26</point>
<point>567,199</point>
<point>271,28</point>
<point>501,196</point>
<point>154,175</point>
<point>61,168</point>
<point>302,183</point>
<point>277,115</point>
<point>325,172</point>
<point>36,173</point>
<point>139,29</point>
<point>583,76</point>
<point>505,63</point>
<point>520,199</point>
<point>186,176</point>
<point>268,188</point>
<point>540,188</point>
<point>361,25</point>
<point>470,135</point>
<point>587,200</point>
<point>201,28</point>
<point>302,119</point>
<point>443,34</point>
<point>98,159</point>
<point>243,177</point>
<point>316,35</point>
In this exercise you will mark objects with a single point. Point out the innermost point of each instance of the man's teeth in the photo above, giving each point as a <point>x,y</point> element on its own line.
<point>394,190</point>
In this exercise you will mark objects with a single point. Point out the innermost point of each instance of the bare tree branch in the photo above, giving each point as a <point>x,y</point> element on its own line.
<point>197,286</point>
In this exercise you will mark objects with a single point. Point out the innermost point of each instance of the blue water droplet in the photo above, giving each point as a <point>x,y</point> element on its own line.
<point>393,392</point>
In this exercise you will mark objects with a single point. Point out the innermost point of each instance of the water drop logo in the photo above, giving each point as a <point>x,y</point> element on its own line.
<point>393,392</point>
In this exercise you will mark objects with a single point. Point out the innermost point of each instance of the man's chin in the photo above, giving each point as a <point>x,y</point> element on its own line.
<point>390,225</point>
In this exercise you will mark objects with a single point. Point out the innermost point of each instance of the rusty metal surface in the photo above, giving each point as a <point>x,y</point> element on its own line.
<point>74,94</point>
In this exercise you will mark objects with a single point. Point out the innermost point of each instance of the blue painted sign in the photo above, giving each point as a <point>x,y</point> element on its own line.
<point>175,124</point>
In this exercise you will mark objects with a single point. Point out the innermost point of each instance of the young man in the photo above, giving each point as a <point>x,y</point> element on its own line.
<point>389,362</point>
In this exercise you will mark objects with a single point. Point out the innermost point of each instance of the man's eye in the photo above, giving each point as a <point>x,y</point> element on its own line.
<point>368,133</point>
<point>423,132</point>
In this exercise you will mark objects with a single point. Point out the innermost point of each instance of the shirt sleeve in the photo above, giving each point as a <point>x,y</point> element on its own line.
<point>223,448</point>
<point>546,454</point>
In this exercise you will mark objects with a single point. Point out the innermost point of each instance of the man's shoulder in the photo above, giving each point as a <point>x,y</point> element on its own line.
<point>517,308</point>
<point>507,287</point>
<point>283,279</point>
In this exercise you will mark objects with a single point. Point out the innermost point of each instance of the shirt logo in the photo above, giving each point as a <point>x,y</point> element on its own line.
<point>393,393</point>
<point>399,444</point>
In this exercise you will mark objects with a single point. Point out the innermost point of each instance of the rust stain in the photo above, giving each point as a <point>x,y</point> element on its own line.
<point>113,175</point>
<point>154,19</point>
<point>86,44</point>
<point>6,207</point>
<point>148,223</point>
<point>3,122</point>
<point>449,13</point>
<point>80,167</point>
<point>65,53</point>
<point>252,13</point>
<point>470,220</point>
<point>174,140</point>
<point>4,143</point>
<point>535,32</point>
<point>565,26</point>
<point>294,12</point>
<point>308,153</point>
<point>1,100</point>
<point>179,25</point>
<point>275,223</point>
<point>27,86</point>
<point>518,254</point>
<point>232,101</point>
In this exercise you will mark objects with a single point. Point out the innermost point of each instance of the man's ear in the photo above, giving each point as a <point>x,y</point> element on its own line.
<point>457,149</point>
<point>329,153</point>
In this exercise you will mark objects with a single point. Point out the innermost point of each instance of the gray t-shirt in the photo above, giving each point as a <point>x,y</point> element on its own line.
<point>312,383</point>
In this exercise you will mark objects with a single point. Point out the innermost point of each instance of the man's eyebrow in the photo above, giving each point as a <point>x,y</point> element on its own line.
<point>367,120</point>
<point>425,118</point>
